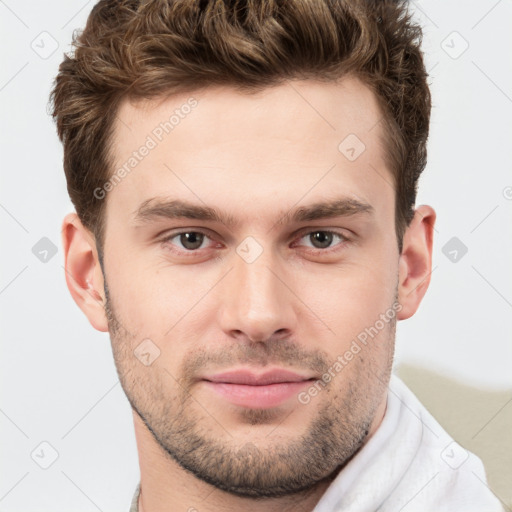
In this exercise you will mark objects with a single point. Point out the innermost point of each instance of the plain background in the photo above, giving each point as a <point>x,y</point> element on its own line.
<point>59,383</point>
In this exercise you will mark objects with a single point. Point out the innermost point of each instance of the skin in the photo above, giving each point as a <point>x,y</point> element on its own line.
<point>299,305</point>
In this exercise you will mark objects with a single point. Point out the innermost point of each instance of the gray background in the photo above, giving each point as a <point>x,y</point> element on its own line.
<point>59,384</point>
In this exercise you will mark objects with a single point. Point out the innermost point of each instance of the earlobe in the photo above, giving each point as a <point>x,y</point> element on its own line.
<point>83,274</point>
<point>415,264</point>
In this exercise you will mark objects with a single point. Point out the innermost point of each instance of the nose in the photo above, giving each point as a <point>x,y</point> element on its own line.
<point>257,304</point>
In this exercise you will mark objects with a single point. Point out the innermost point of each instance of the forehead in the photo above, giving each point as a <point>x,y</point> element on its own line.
<point>347,104</point>
<point>285,142</point>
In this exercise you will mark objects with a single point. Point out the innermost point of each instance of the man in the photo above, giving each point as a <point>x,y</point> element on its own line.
<point>245,175</point>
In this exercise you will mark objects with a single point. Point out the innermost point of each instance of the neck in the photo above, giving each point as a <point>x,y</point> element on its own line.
<point>167,487</point>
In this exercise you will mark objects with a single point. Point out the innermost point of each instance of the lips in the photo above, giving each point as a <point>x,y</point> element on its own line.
<point>249,378</point>
<point>244,388</point>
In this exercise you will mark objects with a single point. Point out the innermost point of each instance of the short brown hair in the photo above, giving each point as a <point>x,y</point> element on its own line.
<point>147,49</point>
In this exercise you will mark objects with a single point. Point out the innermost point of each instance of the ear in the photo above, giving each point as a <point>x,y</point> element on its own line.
<point>415,264</point>
<point>83,272</point>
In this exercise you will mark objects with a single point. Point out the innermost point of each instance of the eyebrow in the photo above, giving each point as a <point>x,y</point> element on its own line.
<point>162,208</point>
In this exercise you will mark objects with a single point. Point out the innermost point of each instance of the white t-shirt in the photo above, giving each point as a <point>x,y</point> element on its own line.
<point>410,464</point>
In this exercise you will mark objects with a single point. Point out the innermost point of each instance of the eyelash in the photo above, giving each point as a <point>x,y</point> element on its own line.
<point>191,252</point>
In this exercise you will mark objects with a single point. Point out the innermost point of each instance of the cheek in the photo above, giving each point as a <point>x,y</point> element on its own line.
<point>158,300</point>
<point>350,300</point>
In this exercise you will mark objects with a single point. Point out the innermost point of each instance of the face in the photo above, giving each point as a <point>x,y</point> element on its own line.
<point>254,236</point>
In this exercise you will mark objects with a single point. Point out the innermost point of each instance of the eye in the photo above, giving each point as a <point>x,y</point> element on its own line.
<point>188,240</point>
<point>193,241</point>
<point>323,239</point>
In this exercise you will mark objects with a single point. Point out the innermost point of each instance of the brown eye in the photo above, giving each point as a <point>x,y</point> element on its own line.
<point>192,240</point>
<point>321,239</point>
<point>187,240</point>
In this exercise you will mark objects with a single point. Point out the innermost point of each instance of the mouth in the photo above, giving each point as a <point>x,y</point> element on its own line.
<point>260,391</point>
